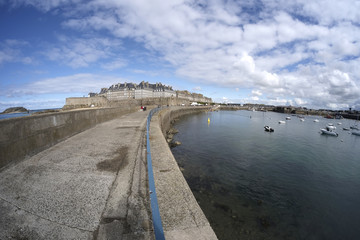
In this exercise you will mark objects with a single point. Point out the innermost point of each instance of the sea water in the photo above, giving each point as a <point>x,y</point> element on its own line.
<point>293,183</point>
<point>23,114</point>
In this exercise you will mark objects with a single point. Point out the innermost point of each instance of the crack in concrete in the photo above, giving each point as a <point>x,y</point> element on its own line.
<point>46,219</point>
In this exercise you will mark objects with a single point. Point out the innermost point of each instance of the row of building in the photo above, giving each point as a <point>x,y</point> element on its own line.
<point>123,91</point>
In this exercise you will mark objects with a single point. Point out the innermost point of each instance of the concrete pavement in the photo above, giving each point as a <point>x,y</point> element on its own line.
<point>90,186</point>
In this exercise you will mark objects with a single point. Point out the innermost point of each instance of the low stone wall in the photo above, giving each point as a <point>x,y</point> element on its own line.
<point>21,137</point>
<point>181,215</point>
<point>101,101</point>
<point>84,102</point>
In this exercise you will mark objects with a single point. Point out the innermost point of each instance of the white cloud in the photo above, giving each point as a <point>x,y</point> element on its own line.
<point>296,52</point>
<point>256,93</point>
<point>43,5</point>
<point>225,100</point>
<point>197,89</point>
<point>300,102</point>
<point>82,52</point>
<point>116,64</point>
<point>10,51</point>
<point>78,83</point>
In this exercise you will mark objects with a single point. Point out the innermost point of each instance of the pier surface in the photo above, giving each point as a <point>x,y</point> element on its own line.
<point>93,185</point>
<point>90,186</point>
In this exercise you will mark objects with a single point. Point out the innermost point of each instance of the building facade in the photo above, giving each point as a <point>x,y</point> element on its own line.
<point>123,91</point>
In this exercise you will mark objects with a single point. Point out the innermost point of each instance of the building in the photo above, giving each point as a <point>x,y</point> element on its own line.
<point>123,91</point>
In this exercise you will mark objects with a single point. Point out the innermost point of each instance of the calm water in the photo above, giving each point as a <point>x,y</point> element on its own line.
<point>13,115</point>
<point>293,183</point>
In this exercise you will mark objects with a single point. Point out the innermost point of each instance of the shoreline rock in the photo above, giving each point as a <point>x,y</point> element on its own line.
<point>170,138</point>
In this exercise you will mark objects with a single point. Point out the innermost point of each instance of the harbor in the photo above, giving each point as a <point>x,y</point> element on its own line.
<point>293,183</point>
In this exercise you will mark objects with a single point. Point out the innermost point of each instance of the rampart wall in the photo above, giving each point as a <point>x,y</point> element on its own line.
<point>85,102</point>
<point>25,136</point>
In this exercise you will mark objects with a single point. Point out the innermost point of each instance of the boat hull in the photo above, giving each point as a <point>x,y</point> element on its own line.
<point>357,133</point>
<point>331,133</point>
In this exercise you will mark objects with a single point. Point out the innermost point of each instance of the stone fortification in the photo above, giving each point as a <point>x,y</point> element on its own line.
<point>141,94</point>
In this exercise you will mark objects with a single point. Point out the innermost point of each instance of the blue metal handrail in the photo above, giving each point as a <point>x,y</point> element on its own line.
<point>158,228</point>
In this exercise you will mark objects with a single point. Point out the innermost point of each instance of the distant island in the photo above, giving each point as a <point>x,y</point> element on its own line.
<point>15,110</point>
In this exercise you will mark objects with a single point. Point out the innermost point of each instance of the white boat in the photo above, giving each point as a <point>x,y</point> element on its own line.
<point>329,130</point>
<point>339,123</point>
<point>281,122</point>
<point>268,129</point>
<point>316,120</point>
<point>354,127</point>
<point>288,118</point>
<point>302,120</point>
<point>357,133</point>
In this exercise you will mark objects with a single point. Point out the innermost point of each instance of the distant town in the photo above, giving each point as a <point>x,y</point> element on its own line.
<point>122,91</point>
<point>351,114</point>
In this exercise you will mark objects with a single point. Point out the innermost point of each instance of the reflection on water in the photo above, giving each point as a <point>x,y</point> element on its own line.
<point>293,183</point>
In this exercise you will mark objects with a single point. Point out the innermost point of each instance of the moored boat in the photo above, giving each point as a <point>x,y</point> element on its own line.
<point>316,120</point>
<point>354,127</point>
<point>357,133</point>
<point>268,129</point>
<point>281,121</point>
<point>329,130</point>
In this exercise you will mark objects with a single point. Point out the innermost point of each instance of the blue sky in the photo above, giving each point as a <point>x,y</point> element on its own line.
<point>297,53</point>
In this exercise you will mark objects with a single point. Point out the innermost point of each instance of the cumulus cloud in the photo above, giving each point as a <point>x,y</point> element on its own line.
<point>115,64</point>
<point>78,83</point>
<point>197,89</point>
<point>10,51</point>
<point>82,52</point>
<point>256,93</point>
<point>225,100</point>
<point>293,52</point>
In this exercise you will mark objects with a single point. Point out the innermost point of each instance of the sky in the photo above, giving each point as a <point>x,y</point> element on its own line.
<point>299,53</point>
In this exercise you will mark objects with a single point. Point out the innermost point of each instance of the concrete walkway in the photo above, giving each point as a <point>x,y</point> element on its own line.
<point>90,186</point>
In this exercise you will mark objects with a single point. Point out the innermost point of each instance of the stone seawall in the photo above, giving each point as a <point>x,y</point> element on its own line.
<point>21,137</point>
<point>181,215</point>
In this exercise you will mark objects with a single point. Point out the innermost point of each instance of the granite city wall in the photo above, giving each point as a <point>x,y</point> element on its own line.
<point>99,101</point>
